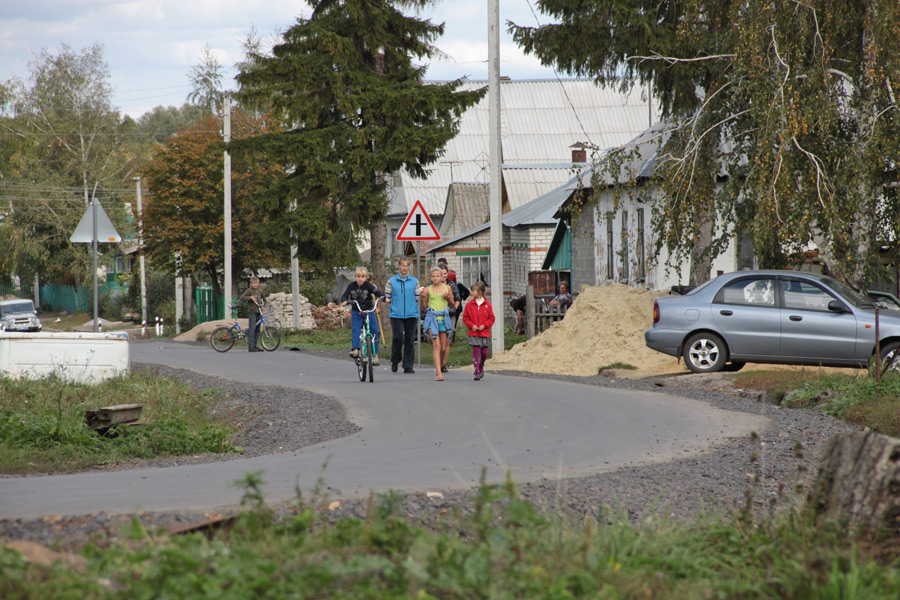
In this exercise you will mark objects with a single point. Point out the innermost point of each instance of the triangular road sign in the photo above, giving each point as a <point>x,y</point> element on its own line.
<point>106,231</point>
<point>418,226</point>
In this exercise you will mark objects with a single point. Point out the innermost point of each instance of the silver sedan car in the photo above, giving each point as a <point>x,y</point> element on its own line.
<point>784,317</point>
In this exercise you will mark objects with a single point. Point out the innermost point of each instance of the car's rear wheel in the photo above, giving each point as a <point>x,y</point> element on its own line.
<point>705,353</point>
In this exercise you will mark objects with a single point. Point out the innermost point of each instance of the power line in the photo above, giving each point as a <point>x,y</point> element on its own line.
<point>565,93</point>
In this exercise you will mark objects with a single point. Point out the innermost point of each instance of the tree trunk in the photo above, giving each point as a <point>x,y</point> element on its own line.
<point>701,261</point>
<point>858,483</point>
<point>378,236</point>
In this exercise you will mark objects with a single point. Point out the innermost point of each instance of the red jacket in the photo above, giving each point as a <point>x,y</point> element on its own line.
<point>475,315</point>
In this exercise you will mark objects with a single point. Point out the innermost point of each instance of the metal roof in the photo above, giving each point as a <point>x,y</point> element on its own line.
<point>540,120</point>
<point>539,211</point>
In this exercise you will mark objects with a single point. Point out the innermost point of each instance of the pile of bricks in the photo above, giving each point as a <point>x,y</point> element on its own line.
<point>279,310</point>
<point>332,316</point>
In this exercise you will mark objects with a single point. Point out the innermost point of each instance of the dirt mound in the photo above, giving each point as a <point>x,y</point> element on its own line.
<point>604,326</point>
<point>195,334</point>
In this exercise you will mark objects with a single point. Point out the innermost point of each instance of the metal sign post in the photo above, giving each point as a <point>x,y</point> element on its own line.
<point>417,227</point>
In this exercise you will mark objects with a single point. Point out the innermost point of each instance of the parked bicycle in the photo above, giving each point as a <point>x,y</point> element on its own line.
<point>365,358</point>
<point>223,338</point>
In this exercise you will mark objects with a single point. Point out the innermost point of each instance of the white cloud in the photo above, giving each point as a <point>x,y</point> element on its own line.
<point>150,45</point>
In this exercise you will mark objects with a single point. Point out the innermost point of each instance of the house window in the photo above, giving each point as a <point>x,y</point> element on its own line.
<point>475,268</point>
<point>641,253</point>
<point>610,258</point>
<point>624,247</point>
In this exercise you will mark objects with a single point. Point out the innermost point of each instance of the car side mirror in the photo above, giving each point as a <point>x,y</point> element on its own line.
<point>837,306</point>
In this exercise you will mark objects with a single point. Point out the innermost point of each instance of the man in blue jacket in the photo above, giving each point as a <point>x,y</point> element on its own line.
<point>402,293</point>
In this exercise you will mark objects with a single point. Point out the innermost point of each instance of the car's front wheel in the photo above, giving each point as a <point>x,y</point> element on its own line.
<point>705,353</point>
<point>890,358</point>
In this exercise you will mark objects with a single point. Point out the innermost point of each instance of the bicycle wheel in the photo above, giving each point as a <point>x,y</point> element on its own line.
<point>370,357</point>
<point>269,337</point>
<point>221,339</point>
<point>361,365</point>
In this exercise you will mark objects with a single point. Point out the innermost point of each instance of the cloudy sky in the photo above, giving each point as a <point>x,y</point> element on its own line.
<point>150,45</point>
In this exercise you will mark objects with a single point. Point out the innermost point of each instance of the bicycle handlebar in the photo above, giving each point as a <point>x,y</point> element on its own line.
<point>359,308</point>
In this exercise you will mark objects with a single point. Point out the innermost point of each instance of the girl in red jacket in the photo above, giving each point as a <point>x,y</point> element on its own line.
<point>479,317</point>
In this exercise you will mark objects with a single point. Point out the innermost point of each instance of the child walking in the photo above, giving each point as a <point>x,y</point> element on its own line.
<point>479,318</point>
<point>438,299</point>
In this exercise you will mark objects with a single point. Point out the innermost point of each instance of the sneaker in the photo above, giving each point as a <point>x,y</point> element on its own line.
<point>354,353</point>
<point>375,361</point>
<point>410,371</point>
<point>444,369</point>
<point>393,367</point>
<point>480,375</point>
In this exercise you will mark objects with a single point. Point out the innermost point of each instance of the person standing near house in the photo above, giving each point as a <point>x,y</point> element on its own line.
<point>402,295</point>
<point>442,264</point>
<point>479,318</point>
<point>255,300</point>
<point>564,298</point>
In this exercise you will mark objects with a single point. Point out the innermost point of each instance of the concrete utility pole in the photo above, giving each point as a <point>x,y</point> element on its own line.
<point>140,210</point>
<point>295,278</point>
<point>496,174</point>
<point>227,135</point>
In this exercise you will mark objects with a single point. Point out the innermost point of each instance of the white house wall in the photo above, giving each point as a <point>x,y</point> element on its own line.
<point>658,273</point>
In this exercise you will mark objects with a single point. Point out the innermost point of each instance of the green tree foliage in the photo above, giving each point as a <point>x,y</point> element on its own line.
<point>206,82</point>
<point>62,143</point>
<point>793,102</point>
<point>184,213</point>
<point>355,109</point>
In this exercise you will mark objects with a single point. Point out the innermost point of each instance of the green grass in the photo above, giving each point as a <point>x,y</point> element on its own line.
<point>42,427</point>
<point>460,352</point>
<point>503,548</point>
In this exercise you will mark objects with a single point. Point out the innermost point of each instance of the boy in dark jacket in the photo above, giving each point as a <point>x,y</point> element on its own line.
<point>363,293</point>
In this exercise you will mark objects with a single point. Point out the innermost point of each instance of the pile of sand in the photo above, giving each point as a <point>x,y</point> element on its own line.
<point>604,326</point>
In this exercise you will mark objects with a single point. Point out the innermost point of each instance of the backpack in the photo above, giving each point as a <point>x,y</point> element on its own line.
<point>463,291</point>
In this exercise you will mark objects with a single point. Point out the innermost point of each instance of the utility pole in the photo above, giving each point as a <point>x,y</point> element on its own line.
<point>140,210</point>
<point>227,136</point>
<point>295,278</point>
<point>496,174</point>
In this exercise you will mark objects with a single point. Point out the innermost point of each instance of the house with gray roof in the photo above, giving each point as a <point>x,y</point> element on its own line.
<point>546,125</point>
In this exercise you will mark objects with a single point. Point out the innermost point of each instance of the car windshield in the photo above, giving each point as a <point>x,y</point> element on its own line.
<point>847,292</point>
<point>16,307</point>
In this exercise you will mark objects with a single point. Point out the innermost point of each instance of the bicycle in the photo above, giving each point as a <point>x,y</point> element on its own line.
<point>366,356</point>
<point>223,338</point>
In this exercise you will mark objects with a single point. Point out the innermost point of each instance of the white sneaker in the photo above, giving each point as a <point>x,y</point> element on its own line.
<point>375,361</point>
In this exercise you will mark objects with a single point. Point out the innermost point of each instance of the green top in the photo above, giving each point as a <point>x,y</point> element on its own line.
<point>436,300</point>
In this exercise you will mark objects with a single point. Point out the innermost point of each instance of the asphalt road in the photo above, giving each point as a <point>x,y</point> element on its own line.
<point>417,434</point>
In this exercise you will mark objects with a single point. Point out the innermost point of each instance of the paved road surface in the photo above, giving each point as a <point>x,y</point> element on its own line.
<point>416,434</point>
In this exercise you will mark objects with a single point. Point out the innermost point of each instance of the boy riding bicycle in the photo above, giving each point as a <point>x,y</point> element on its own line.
<point>363,293</point>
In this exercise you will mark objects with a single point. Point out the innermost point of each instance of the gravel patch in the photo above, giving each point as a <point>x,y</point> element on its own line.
<point>767,471</point>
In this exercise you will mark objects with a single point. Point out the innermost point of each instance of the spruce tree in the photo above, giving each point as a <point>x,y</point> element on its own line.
<point>346,85</point>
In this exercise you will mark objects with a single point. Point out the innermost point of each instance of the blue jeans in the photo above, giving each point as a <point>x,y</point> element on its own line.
<point>252,319</point>
<point>356,321</point>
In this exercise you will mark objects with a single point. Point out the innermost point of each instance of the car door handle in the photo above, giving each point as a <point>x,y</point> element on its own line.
<point>795,318</point>
<point>727,313</point>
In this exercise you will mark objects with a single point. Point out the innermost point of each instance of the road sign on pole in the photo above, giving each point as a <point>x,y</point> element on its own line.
<point>418,226</point>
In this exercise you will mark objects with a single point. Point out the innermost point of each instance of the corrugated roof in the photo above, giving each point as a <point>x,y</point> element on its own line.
<point>539,211</point>
<point>540,120</point>
<point>468,206</point>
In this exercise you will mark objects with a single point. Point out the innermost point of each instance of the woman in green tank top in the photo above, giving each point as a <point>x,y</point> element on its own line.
<point>438,299</point>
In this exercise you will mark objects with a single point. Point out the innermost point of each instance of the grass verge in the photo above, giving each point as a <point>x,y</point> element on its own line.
<point>859,399</point>
<point>42,427</point>
<point>503,548</point>
<point>460,352</point>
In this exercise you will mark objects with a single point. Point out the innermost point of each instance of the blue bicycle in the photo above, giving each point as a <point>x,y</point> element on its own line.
<point>223,338</point>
